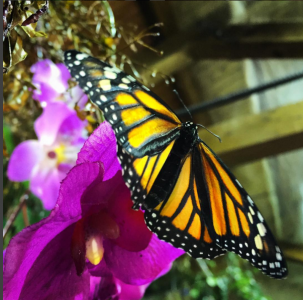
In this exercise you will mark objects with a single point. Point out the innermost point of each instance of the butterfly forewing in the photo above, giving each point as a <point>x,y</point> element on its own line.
<point>143,124</point>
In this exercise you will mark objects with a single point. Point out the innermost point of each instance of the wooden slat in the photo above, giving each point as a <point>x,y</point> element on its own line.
<point>259,135</point>
<point>293,252</point>
<point>253,41</point>
<point>230,42</point>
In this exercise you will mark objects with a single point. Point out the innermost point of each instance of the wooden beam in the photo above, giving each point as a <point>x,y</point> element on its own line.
<point>231,41</point>
<point>259,135</point>
<point>252,41</point>
<point>293,252</point>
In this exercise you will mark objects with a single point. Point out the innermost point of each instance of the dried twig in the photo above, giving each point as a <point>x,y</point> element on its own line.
<point>5,12</point>
<point>14,214</point>
<point>36,16</point>
<point>6,27</point>
<point>25,215</point>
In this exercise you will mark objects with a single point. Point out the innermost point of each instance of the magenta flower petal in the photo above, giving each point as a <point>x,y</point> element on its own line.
<point>142,267</point>
<point>46,73</point>
<point>100,270</point>
<point>45,93</point>
<point>111,288</point>
<point>104,288</point>
<point>3,258</point>
<point>42,261</point>
<point>73,127</point>
<point>45,162</point>
<point>45,184</point>
<point>43,70</point>
<point>78,96</point>
<point>49,123</point>
<point>43,249</point>
<point>65,74</point>
<point>101,146</point>
<point>55,270</point>
<point>23,159</point>
<point>64,168</point>
<point>131,292</point>
<point>134,235</point>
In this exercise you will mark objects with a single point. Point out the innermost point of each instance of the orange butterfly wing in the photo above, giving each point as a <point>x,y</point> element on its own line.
<point>236,224</point>
<point>142,122</point>
<point>205,211</point>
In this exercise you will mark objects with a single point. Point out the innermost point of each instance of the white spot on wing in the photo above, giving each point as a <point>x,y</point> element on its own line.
<point>123,86</point>
<point>105,84</point>
<point>260,217</point>
<point>131,78</point>
<point>125,80</point>
<point>239,184</point>
<point>261,229</point>
<point>278,256</point>
<point>110,75</point>
<point>81,56</point>
<point>250,218</point>
<point>250,200</point>
<point>103,98</point>
<point>258,242</point>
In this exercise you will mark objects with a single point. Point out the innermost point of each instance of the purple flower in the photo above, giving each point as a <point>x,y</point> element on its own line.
<point>46,161</point>
<point>112,288</point>
<point>51,82</point>
<point>91,232</point>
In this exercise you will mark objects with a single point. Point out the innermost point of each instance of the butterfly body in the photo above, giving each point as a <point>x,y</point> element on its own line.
<point>189,197</point>
<point>168,175</point>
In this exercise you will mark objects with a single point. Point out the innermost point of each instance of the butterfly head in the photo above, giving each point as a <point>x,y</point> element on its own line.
<point>190,127</point>
<point>190,132</point>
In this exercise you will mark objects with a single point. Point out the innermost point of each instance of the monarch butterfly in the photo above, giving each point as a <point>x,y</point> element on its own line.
<point>189,197</point>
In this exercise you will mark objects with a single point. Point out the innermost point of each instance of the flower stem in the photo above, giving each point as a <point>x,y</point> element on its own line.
<point>14,214</point>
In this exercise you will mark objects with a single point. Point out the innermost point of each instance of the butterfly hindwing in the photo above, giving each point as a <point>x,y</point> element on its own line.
<point>178,219</point>
<point>140,173</point>
<point>142,122</point>
<point>236,224</point>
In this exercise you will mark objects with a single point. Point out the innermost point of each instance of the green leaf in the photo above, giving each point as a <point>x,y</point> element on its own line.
<point>18,54</point>
<point>31,32</point>
<point>7,53</point>
<point>8,139</point>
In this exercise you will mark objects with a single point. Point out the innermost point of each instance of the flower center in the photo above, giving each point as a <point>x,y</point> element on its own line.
<point>52,154</point>
<point>94,249</point>
<point>59,152</point>
<point>88,236</point>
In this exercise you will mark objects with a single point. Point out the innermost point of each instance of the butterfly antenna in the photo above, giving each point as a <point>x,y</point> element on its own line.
<point>210,132</point>
<point>175,91</point>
